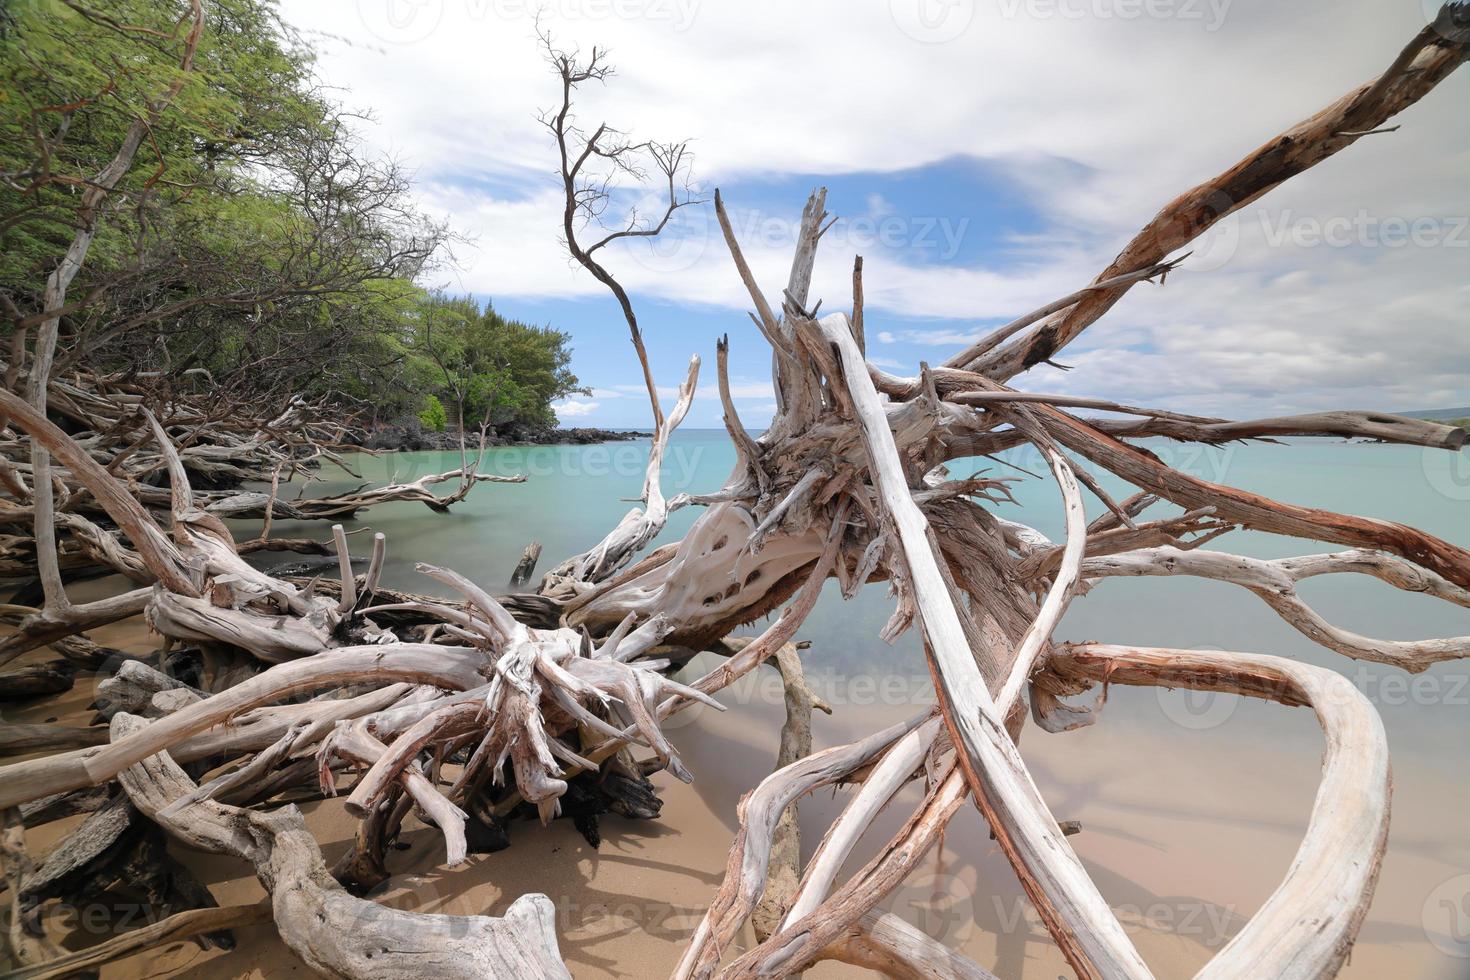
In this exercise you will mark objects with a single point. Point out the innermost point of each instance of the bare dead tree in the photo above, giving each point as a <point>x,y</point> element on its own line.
<point>593,168</point>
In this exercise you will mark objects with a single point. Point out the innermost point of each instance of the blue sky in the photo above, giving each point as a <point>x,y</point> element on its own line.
<point>954,213</point>
<point>984,156</point>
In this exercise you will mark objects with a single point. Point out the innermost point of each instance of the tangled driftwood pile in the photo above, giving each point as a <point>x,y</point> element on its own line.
<point>472,711</point>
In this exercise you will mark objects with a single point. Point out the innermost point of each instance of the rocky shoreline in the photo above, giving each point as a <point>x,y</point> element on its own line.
<point>412,437</point>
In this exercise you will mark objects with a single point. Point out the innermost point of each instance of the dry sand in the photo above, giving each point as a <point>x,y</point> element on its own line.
<point>1184,856</point>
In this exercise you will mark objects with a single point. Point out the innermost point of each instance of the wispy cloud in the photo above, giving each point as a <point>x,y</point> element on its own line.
<point>1071,115</point>
<point>929,338</point>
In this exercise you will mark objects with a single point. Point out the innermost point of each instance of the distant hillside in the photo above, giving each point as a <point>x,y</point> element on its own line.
<point>1448,414</point>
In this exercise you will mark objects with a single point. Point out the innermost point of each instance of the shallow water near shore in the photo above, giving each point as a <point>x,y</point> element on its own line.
<point>1191,806</point>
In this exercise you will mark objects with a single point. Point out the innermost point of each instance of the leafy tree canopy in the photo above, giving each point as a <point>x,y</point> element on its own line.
<point>498,371</point>
<point>253,236</point>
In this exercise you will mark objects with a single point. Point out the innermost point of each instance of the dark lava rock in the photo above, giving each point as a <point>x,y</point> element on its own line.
<point>411,436</point>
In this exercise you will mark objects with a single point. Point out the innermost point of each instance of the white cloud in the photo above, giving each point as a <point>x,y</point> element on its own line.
<point>575,408</point>
<point>932,338</point>
<point>1097,120</point>
<point>878,206</point>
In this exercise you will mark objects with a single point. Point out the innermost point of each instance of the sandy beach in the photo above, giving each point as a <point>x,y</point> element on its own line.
<point>626,908</point>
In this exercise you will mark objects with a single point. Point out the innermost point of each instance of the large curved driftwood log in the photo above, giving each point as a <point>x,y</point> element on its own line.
<point>333,932</point>
<point>1307,927</point>
<point>1304,930</point>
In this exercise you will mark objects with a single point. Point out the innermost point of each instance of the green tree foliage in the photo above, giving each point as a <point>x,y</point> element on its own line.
<point>498,371</point>
<point>433,416</point>
<point>253,237</point>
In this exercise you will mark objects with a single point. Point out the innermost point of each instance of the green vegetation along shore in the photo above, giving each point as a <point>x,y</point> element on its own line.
<point>254,247</point>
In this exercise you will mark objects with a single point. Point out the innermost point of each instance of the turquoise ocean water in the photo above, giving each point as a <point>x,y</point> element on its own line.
<point>1192,806</point>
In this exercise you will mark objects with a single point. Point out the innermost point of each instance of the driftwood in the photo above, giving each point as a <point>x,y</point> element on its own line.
<point>37,680</point>
<point>1429,58</point>
<point>526,567</point>
<point>18,739</point>
<point>180,925</point>
<point>483,709</point>
<point>1275,583</point>
<point>334,933</point>
<point>784,866</point>
<point>891,947</point>
<point>25,946</point>
<point>1336,868</point>
<point>114,851</point>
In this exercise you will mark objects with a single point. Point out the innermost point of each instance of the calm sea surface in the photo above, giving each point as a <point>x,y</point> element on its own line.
<point>1192,806</point>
